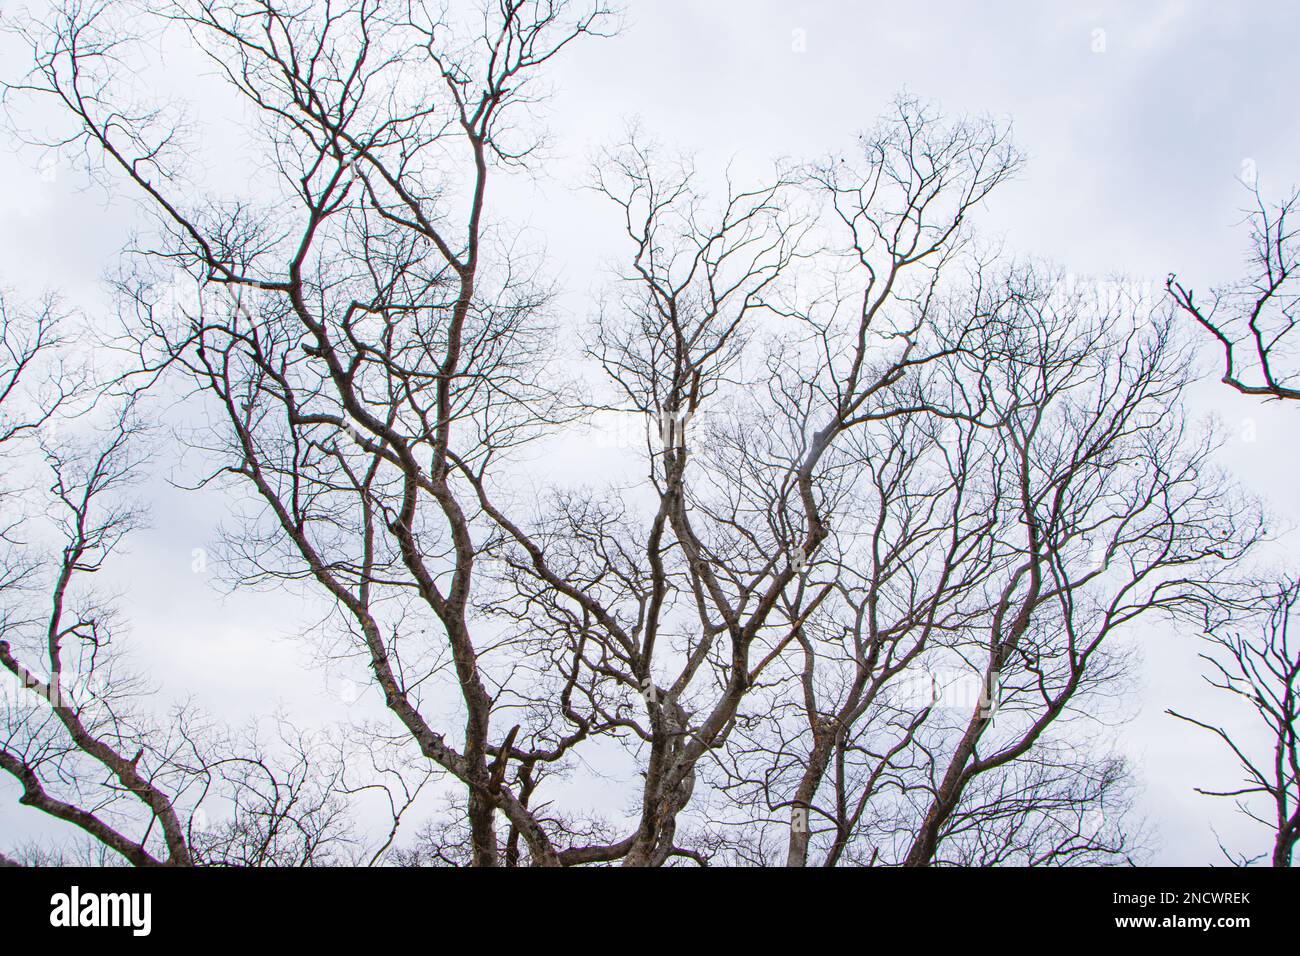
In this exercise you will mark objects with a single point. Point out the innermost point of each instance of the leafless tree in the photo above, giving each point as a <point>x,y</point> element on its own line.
<point>77,734</point>
<point>1050,496</point>
<point>1116,513</point>
<point>1254,323</point>
<point>1262,670</point>
<point>680,601</point>
<point>869,452</point>
<point>1253,320</point>
<point>367,337</point>
<point>57,739</point>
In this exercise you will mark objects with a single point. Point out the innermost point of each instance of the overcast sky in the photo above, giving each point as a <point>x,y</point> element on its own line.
<point>1138,120</point>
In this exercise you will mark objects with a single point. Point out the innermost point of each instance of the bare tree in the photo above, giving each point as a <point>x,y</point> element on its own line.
<point>1254,320</point>
<point>1050,496</point>
<point>1262,670</point>
<point>869,453</point>
<point>1254,323</point>
<point>1116,514</point>
<point>73,730</point>
<point>365,339</point>
<point>742,437</point>
<point>57,737</point>
<point>374,362</point>
<point>77,734</point>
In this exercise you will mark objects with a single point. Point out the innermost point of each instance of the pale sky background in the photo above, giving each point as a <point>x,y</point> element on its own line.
<point>1134,154</point>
